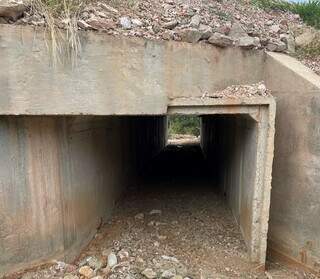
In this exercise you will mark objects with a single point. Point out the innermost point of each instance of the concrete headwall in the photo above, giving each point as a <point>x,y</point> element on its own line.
<point>295,204</point>
<point>113,75</point>
<point>134,76</point>
<point>60,178</point>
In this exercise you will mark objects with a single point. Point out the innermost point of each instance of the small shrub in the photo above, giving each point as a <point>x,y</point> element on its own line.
<point>184,124</point>
<point>309,12</point>
<point>280,5</point>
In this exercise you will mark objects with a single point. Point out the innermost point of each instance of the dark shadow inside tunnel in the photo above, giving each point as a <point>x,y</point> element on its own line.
<point>221,164</point>
<point>200,187</point>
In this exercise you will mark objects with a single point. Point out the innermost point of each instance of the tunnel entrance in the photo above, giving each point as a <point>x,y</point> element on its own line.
<point>75,168</point>
<point>224,162</point>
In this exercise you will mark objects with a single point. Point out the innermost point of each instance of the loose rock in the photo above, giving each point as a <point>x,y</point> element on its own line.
<point>206,31</point>
<point>220,40</point>
<point>136,22</point>
<point>237,31</point>
<point>149,273</point>
<point>112,260</point>
<point>167,274</point>
<point>276,45</point>
<point>94,262</point>
<point>289,41</point>
<point>190,35</point>
<point>139,216</point>
<point>170,25</point>
<point>12,9</point>
<point>248,42</point>
<point>100,23</point>
<point>125,22</point>
<point>71,276</point>
<point>86,271</point>
<point>155,212</point>
<point>195,21</point>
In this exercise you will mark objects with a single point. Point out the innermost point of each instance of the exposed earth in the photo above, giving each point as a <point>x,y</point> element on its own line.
<point>172,224</point>
<point>223,23</point>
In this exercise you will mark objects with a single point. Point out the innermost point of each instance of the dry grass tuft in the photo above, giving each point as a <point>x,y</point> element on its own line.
<point>64,46</point>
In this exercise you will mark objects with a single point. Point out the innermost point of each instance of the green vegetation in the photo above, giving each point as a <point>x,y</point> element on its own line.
<point>309,10</point>
<point>183,124</point>
<point>280,5</point>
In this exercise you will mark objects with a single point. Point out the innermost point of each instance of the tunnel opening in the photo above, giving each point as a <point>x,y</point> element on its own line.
<point>72,174</point>
<point>200,189</point>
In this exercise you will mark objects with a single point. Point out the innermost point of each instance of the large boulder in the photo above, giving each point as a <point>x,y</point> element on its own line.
<point>190,35</point>
<point>221,40</point>
<point>12,9</point>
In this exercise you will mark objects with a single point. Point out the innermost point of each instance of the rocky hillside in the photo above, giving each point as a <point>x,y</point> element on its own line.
<point>222,23</point>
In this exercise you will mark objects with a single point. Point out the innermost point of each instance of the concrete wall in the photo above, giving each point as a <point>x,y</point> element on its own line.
<point>60,177</point>
<point>239,149</point>
<point>133,76</point>
<point>232,143</point>
<point>113,75</point>
<point>295,205</point>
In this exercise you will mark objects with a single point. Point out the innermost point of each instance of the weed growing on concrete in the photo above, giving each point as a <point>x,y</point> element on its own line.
<point>62,46</point>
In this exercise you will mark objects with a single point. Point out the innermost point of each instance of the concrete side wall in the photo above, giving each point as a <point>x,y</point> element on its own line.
<point>231,146</point>
<point>238,150</point>
<point>59,178</point>
<point>113,75</point>
<point>295,207</point>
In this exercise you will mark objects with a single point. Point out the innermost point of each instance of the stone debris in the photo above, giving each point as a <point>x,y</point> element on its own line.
<point>71,276</point>
<point>221,40</point>
<point>167,274</point>
<point>155,212</point>
<point>240,91</point>
<point>223,23</point>
<point>203,243</point>
<point>149,273</point>
<point>12,9</point>
<point>112,260</point>
<point>86,271</point>
<point>189,20</point>
<point>169,258</point>
<point>190,35</point>
<point>248,42</point>
<point>125,22</point>
<point>139,216</point>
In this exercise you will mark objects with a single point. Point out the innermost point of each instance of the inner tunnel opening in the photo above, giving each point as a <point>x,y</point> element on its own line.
<point>192,195</point>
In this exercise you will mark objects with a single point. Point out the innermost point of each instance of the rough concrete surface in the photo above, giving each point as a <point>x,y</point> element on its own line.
<point>113,75</point>
<point>295,204</point>
<point>133,76</point>
<point>60,177</point>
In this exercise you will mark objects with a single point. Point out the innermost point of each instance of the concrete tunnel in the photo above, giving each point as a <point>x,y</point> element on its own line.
<point>72,170</point>
<point>64,129</point>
